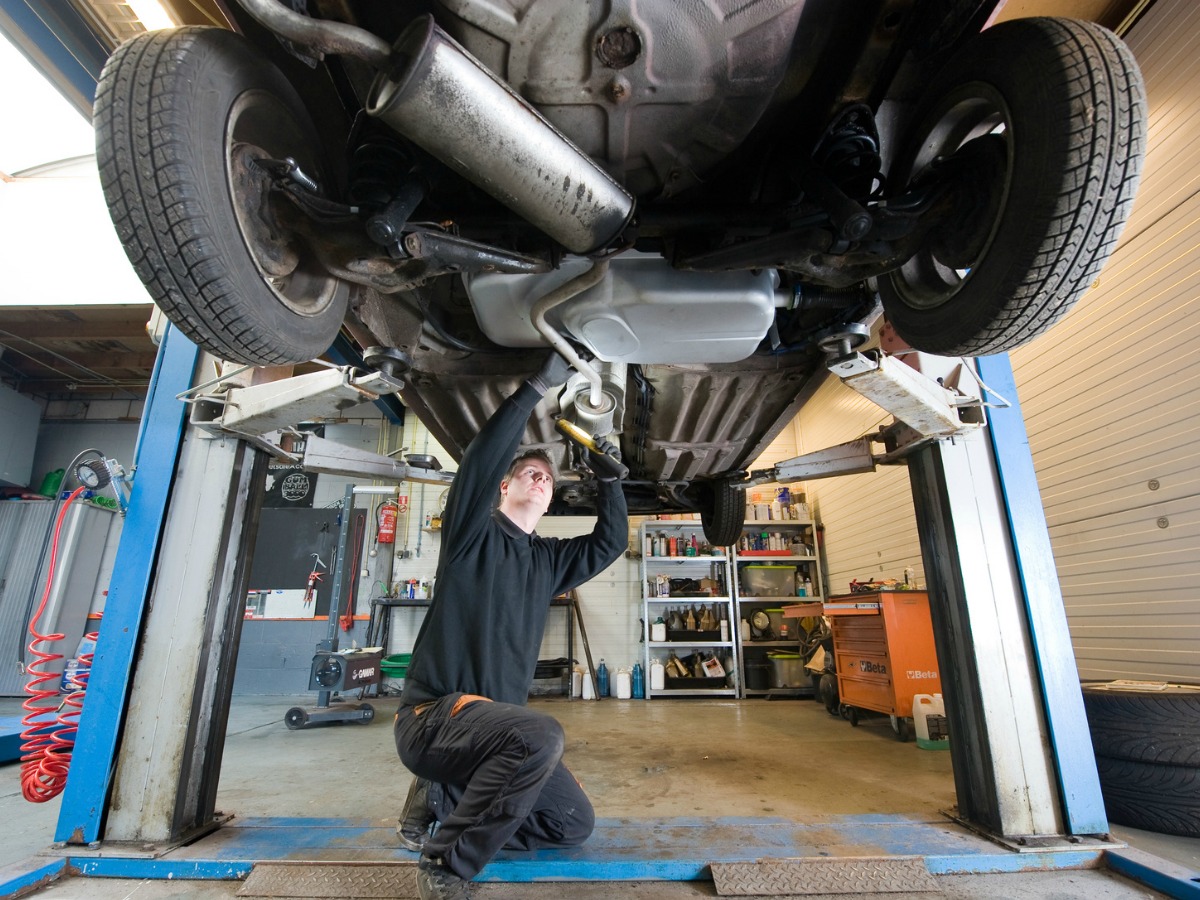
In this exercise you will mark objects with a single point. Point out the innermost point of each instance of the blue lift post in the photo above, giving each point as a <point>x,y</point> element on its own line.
<point>1079,784</point>
<point>85,796</point>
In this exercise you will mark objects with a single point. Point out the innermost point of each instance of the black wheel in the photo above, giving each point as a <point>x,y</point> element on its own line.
<point>903,731</point>
<point>829,693</point>
<point>852,716</point>
<point>181,117</point>
<point>1154,797</point>
<point>1039,127</point>
<point>724,517</point>
<point>1145,725</point>
<point>368,713</point>
<point>295,718</point>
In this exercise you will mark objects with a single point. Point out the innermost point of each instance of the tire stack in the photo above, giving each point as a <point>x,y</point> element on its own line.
<point>1147,744</point>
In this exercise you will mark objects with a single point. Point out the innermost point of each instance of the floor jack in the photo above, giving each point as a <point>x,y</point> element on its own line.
<point>333,670</point>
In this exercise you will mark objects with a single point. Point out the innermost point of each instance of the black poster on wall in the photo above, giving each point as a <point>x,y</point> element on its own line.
<point>290,487</point>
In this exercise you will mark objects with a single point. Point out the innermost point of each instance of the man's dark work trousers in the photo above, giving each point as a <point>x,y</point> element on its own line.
<point>503,781</point>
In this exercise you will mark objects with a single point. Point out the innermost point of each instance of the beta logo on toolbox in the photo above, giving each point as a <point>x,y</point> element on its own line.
<point>917,674</point>
<point>874,668</point>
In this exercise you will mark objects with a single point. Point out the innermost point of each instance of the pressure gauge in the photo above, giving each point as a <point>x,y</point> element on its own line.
<point>93,473</point>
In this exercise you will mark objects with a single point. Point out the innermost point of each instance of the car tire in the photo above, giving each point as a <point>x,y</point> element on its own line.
<point>175,110</point>
<point>1148,725</point>
<point>1153,797</point>
<point>724,517</point>
<point>1054,111</point>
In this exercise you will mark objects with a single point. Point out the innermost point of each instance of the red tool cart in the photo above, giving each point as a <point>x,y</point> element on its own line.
<point>884,652</point>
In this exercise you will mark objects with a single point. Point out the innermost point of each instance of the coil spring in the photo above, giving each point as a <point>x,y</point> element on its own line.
<point>849,153</point>
<point>376,169</point>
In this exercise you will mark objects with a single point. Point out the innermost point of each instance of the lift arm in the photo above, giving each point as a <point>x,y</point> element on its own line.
<point>925,408</point>
<point>265,415</point>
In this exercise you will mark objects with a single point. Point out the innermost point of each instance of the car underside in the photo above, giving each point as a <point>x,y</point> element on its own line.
<point>685,200</point>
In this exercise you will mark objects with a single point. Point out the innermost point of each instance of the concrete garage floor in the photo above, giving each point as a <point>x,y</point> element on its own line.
<point>687,762</point>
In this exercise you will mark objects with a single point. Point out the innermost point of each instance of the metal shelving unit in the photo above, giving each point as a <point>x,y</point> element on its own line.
<point>755,650</point>
<point>711,565</point>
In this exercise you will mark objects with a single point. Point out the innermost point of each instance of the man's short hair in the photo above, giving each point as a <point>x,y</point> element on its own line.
<point>526,455</point>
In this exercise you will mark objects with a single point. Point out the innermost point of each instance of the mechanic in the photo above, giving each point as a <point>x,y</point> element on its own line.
<point>489,771</point>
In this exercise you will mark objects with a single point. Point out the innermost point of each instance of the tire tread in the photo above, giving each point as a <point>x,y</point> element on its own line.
<point>148,176</point>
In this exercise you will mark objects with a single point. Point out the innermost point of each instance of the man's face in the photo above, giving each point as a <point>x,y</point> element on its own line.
<point>531,484</point>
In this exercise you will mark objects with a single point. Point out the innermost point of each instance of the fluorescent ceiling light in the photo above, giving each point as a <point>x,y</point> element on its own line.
<point>151,14</point>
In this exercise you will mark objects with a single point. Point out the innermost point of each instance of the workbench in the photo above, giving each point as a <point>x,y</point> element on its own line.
<point>884,652</point>
<point>379,626</point>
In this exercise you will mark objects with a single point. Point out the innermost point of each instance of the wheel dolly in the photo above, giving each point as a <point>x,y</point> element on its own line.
<point>335,670</point>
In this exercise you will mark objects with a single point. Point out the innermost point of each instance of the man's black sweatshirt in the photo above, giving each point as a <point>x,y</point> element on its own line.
<point>494,582</point>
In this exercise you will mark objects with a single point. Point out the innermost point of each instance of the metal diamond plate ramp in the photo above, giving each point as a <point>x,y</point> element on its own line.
<point>864,875</point>
<point>335,881</point>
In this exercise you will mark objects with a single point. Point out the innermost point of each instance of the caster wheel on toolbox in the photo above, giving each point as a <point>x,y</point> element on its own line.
<point>852,716</point>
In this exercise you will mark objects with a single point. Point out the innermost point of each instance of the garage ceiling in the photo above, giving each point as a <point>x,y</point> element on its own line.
<point>64,352</point>
<point>57,352</point>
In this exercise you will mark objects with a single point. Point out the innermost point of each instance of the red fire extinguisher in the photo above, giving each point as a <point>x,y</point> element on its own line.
<point>387,522</point>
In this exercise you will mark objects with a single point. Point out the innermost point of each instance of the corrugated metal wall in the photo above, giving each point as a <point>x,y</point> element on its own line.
<point>1110,401</point>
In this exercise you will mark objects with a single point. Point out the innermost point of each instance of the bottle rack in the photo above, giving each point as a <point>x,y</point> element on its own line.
<point>761,586</point>
<point>695,575</point>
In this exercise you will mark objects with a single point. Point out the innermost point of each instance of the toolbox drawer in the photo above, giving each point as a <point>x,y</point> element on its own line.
<point>873,695</point>
<point>859,628</point>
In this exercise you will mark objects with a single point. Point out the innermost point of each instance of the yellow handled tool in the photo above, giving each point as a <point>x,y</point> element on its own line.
<point>605,465</point>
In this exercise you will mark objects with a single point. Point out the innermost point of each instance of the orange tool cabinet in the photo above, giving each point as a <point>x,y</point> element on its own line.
<point>884,653</point>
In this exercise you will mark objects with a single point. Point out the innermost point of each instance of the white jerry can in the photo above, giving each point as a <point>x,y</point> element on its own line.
<point>929,718</point>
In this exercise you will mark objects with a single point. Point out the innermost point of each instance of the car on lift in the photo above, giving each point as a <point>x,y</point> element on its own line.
<point>691,201</point>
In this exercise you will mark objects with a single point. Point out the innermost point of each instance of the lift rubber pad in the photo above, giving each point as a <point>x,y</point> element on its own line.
<point>805,877</point>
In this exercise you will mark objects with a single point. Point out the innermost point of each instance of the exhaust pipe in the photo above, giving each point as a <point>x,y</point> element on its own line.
<point>440,97</point>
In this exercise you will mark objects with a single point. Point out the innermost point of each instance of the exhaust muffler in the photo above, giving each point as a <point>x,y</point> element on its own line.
<point>440,97</point>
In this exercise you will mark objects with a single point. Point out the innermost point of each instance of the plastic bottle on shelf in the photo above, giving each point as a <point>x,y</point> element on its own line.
<point>658,630</point>
<point>745,630</point>
<point>638,682</point>
<point>602,679</point>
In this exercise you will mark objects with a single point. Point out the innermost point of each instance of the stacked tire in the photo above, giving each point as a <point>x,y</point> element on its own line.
<point>1147,744</point>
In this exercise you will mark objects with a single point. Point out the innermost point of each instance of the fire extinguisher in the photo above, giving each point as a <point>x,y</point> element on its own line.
<point>387,522</point>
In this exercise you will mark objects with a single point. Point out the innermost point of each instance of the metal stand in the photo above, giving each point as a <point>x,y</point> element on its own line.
<point>332,670</point>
